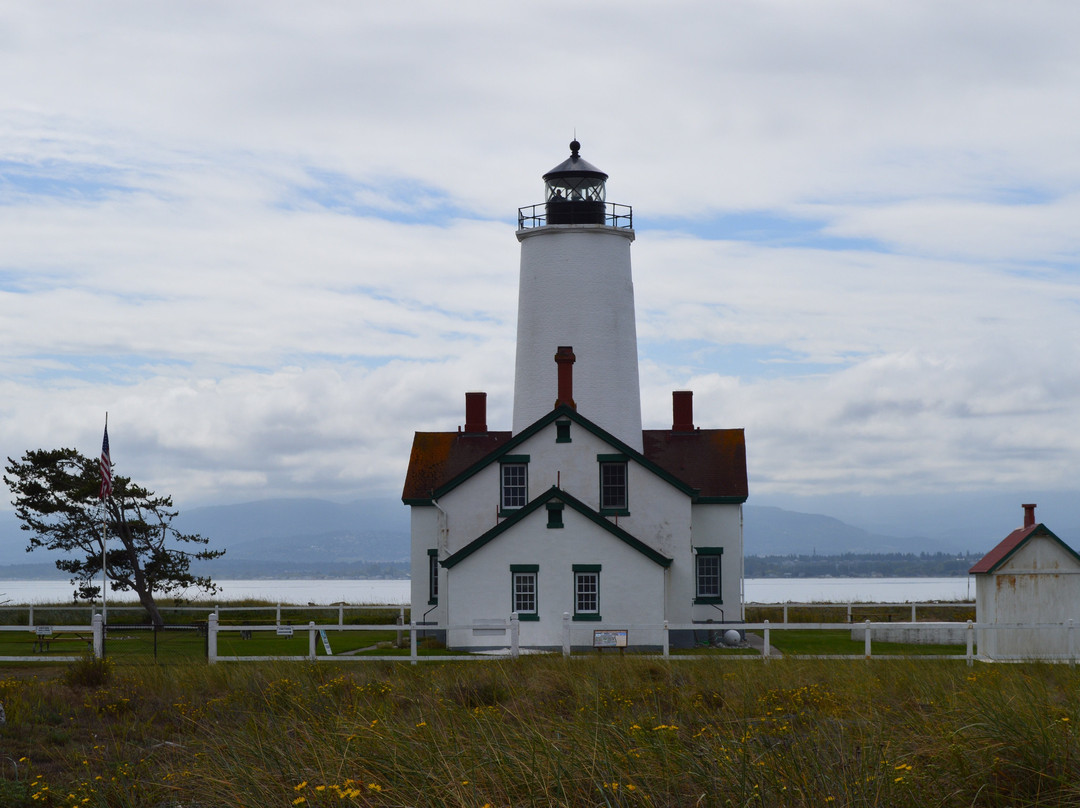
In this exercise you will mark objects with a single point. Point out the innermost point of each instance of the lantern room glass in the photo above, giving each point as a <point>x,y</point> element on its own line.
<point>575,189</point>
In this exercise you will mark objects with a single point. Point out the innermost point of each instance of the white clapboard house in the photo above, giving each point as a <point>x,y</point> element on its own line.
<point>577,517</point>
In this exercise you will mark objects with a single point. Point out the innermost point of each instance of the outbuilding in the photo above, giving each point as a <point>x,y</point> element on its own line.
<point>1027,590</point>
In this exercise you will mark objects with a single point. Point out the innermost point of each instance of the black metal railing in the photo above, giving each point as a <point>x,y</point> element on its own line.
<point>615,215</point>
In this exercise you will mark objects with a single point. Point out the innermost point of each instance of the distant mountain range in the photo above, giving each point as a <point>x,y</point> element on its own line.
<point>370,538</point>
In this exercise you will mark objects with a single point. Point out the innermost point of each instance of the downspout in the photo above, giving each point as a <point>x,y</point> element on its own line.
<point>742,569</point>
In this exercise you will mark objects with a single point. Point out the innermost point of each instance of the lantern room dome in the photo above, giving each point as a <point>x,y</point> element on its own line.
<point>574,191</point>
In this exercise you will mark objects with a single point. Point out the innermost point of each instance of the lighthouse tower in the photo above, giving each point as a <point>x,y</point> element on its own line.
<point>576,291</point>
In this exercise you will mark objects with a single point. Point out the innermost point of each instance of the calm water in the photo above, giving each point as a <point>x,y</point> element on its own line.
<point>757,590</point>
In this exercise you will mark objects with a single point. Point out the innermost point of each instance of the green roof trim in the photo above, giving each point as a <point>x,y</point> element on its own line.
<point>575,504</point>
<point>562,411</point>
<point>720,500</point>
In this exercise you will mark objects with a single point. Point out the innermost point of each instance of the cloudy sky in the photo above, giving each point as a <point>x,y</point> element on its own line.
<point>272,239</point>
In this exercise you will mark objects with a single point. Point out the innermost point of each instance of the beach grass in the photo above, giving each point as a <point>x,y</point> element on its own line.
<point>541,731</point>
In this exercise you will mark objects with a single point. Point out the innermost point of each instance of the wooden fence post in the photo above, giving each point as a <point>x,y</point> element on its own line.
<point>566,633</point>
<point>515,634</point>
<point>970,643</point>
<point>311,640</point>
<point>211,638</point>
<point>99,635</point>
<point>765,647</point>
<point>866,641</point>
<point>412,641</point>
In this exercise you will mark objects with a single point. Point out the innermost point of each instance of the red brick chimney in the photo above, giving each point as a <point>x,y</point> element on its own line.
<point>475,413</point>
<point>565,359</point>
<point>1029,515</point>
<point>682,411</point>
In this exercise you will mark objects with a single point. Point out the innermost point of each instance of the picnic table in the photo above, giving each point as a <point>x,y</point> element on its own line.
<point>44,636</point>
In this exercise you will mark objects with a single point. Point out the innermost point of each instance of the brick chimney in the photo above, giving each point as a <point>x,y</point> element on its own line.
<point>1029,515</point>
<point>682,411</point>
<point>565,359</point>
<point>475,413</point>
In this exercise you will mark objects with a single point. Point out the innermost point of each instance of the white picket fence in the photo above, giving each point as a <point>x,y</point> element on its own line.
<point>514,649</point>
<point>81,638</point>
<point>574,637</point>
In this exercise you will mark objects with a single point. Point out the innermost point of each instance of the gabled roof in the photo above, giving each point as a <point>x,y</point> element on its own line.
<point>571,502</point>
<point>1013,542</point>
<point>706,464</point>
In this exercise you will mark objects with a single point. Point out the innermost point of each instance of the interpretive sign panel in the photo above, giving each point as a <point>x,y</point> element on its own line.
<point>609,638</point>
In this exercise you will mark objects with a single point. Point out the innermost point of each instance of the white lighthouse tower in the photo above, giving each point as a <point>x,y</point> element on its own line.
<point>576,291</point>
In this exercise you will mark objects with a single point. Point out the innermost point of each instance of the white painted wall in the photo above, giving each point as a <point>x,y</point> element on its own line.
<point>714,526</point>
<point>576,289</point>
<point>631,585</point>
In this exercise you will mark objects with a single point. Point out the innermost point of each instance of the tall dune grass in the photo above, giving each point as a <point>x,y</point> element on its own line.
<point>547,731</point>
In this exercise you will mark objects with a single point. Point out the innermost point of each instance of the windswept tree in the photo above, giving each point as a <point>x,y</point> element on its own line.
<point>58,499</point>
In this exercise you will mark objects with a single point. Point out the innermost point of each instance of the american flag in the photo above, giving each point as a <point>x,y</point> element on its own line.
<point>106,467</point>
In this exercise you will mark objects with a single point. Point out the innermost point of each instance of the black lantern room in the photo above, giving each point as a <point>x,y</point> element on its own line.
<point>574,191</point>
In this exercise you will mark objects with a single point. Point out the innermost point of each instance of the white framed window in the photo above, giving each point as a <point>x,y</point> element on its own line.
<point>513,483</point>
<point>707,575</point>
<point>524,590</point>
<point>586,591</point>
<point>613,487</point>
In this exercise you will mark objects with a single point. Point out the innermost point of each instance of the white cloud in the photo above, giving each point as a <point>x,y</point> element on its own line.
<point>273,242</point>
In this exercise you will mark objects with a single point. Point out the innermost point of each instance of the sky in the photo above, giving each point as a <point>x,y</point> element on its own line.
<point>272,240</point>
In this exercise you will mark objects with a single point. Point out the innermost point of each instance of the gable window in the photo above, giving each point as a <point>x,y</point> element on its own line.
<point>524,592</point>
<point>586,591</point>
<point>513,482</point>
<point>613,493</point>
<point>707,569</point>
<point>433,577</point>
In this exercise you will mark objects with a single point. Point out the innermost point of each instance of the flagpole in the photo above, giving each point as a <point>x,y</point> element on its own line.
<point>106,491</point>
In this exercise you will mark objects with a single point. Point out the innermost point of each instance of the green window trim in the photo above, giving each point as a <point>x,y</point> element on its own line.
<point>708,575</point>
<point>513,483</point>
<point>525,591</point>
<point>586,617</point>
<point>433,577</point>
<point>586,591</point>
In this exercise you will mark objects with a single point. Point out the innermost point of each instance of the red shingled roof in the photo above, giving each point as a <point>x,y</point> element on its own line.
<point>438,457</point>
<point>710,460</point>
<point>713,461</point>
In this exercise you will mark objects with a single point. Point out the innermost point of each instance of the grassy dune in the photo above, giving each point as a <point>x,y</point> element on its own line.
<point>542,731</point>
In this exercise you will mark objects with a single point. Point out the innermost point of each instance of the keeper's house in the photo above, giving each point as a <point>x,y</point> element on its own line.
<point>577,516</point>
